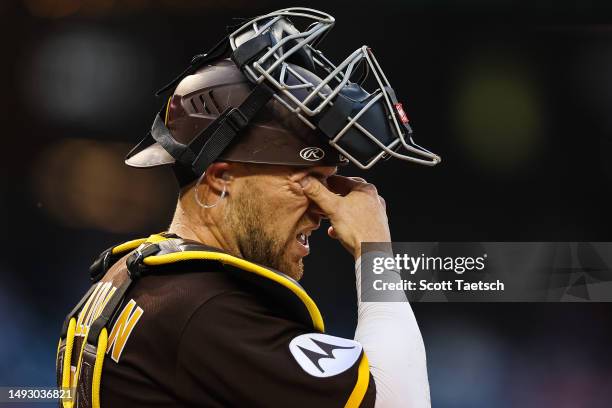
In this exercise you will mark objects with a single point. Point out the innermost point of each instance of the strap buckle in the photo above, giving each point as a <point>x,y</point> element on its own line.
<point>236,119</point>
<point>135,265</point>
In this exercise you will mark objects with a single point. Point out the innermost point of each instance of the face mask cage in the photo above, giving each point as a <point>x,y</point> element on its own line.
<point>364,126</point>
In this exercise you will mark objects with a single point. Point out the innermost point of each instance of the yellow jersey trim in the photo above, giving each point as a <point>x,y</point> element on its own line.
<point>361,386</point>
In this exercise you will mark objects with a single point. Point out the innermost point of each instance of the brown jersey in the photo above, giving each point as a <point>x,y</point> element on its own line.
<point>203,328</point>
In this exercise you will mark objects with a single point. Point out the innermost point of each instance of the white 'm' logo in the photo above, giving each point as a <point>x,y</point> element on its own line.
<point>312,153</point>
<point>321,355</point>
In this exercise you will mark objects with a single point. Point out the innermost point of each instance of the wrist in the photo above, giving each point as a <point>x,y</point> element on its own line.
<point>378,240</point>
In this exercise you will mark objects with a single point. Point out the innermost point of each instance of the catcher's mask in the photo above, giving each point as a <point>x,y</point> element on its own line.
<point>279,101</point>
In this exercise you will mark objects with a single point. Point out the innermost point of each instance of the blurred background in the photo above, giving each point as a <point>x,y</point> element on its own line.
<point>515,96</point>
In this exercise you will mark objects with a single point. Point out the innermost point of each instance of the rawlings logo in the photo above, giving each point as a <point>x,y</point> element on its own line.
<point>400,111</point>
<point>312,153</point>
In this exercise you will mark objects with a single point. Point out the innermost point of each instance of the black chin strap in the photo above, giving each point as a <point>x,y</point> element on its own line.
<point>218,135</point>
<point>207,146</point>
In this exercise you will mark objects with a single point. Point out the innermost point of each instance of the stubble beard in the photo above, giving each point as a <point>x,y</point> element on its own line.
<point>247,219</point>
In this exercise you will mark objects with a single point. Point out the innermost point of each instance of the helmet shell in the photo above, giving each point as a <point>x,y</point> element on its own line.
<point>275,136</point>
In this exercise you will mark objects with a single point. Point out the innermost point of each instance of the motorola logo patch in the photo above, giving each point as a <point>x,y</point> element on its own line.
<point>312,153</point>
<point>321,355</point>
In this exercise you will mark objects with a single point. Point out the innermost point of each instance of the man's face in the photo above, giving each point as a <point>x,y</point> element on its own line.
<point>269,216</point>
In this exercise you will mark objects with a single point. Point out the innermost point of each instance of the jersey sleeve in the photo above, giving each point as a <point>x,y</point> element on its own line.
<point>233,352</point>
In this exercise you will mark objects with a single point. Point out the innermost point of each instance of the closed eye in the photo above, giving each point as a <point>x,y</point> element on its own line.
<point>322,175</point>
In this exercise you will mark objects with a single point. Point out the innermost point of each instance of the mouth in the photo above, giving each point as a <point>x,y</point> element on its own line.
<point>302,241</point>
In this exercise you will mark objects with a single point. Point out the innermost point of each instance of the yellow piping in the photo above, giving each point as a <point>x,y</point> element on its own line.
<point>155,238</point>
<point>67,359</point>
<point>315,315</point>
<point>97,373</point>
<point>361,386</point>
<point>126,246</point>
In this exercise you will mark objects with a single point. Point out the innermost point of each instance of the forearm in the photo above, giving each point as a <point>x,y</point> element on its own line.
<point>392,341</point>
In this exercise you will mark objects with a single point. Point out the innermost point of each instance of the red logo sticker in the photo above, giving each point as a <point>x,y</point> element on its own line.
<point>400,111</point>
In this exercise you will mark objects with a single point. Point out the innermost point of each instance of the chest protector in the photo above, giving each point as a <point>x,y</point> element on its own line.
<point>149,256</point>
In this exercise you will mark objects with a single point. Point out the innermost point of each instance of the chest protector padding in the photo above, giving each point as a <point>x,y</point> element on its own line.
<point>163,252</point>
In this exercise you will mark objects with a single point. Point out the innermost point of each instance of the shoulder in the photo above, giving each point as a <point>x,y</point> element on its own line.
<point>178,295</point>
<point>239,313</point>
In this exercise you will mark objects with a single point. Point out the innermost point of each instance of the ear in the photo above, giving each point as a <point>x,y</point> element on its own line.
<point>218,176</point>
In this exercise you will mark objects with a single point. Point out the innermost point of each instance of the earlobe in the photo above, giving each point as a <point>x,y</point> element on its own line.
<point>204,204</point>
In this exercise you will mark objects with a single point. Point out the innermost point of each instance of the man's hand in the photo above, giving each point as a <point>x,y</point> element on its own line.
<point>354,208</point>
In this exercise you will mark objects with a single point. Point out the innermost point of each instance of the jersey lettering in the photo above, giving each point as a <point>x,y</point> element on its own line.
<point>122,329</point>
<point>93,308</point>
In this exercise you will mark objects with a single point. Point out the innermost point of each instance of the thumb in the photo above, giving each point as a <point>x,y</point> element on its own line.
<point>319,194</point>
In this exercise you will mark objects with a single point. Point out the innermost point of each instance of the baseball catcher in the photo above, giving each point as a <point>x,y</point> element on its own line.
<point>210,313</point>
